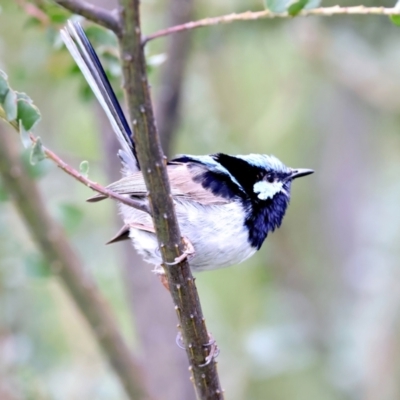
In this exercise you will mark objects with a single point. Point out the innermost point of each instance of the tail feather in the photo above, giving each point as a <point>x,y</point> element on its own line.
<point>87,60</point>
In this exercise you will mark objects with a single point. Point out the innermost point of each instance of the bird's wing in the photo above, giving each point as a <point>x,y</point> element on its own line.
<point>184,185</point>
<point>123,233</point>
<point>132,185</point>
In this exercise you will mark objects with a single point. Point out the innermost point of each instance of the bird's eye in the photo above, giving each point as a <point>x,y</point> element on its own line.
<point>270,178</point>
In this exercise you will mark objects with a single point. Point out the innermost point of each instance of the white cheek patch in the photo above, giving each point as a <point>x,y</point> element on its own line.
<point>267,190</point>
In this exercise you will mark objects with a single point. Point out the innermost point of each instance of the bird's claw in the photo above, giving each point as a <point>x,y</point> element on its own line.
<point>179,341</point>
<point>214,350</point>
<point>188,252</point>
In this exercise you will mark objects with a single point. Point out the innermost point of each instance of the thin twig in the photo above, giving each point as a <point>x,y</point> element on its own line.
<point>180,279</point>
<point>252,15</point>
<point>78,176</point>
<point>90,184</point>
<point>93,13</point>
<point>65,263</point>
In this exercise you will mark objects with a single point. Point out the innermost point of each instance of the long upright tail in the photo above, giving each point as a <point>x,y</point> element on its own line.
<point>87,60</point>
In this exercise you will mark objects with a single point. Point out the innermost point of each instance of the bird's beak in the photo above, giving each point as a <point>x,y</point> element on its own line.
<point>298,172</point>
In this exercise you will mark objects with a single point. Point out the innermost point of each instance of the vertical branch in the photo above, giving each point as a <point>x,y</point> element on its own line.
<point>151,159</point>
<point>164,364</point>
<point>63,261</point>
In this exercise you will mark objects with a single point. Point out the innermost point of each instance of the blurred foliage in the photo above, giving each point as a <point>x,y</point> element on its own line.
<point>17,108</point>
<point>315,314</point>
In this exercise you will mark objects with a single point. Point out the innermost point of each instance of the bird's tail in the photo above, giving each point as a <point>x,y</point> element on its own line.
<point>87,60</point>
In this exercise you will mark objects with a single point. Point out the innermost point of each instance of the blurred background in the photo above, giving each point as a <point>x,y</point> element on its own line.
<point>315,314</point>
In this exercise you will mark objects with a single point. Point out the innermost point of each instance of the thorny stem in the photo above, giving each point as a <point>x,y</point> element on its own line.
<point>151,159</point>
<point>252,15</point>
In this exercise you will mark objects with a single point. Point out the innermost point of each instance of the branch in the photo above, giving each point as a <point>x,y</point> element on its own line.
<point>93,13</point>
<point>62,259</point>
<point>151,159</point>
<point>252,15</point>
<point>77,175</point>
<point>90,184</point>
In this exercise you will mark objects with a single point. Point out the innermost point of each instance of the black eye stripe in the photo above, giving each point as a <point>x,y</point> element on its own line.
<point>246,174</point>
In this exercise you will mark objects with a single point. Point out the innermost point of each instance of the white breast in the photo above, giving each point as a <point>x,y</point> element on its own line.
<point>216,232</point>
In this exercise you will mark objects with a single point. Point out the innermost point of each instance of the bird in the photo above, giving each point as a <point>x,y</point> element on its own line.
<point>226,205</point>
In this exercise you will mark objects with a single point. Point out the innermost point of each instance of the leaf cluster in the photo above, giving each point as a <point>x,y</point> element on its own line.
<point>16,107</point>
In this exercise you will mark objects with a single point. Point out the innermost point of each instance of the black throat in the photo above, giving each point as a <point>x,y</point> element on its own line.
<point>264,216</point>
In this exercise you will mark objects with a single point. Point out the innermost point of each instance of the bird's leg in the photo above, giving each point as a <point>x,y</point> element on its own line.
<point>188,252</point>
<point>213,353</point>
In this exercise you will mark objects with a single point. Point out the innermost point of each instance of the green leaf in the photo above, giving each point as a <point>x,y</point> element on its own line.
<point>395,19</point>
<point>17,107</point>
<point>84,168</point>
<point>10,105</point>
<point>276,6</point>
<point>70,217</point>
<point>292,7</point>
<point>296,7</point>
<point>37,153</point>
<point>28,113</point>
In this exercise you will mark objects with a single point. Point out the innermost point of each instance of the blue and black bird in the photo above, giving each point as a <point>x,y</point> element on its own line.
<point>225,204</point>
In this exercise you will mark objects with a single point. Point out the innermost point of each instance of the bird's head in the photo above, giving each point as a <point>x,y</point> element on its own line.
<point>265,184</point>
<point>272,177</point>
<point>260,177</point>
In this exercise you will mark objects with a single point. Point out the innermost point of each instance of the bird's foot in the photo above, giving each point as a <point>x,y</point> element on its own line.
<point>187,253</point>
<point>212,344</point>
<point>213,353</point>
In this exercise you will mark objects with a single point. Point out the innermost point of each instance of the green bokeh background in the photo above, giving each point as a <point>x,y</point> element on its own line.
<point>315,314</point>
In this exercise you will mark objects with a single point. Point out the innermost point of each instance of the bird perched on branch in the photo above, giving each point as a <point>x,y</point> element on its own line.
<point>226,205</point>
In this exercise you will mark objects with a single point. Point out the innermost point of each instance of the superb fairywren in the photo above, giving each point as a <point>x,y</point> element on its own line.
<point>226,205</point>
